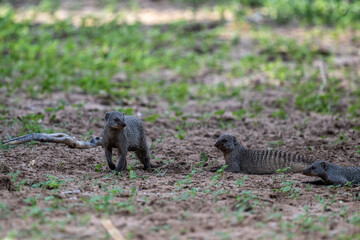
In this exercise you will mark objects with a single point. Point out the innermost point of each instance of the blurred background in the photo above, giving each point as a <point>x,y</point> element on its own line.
<point>113,47</point>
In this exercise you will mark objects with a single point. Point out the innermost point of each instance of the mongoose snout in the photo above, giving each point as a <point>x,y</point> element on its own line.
<point>225,143</point>
<point>309,171</point>
<point>118,126</point>
<point>116,120</point>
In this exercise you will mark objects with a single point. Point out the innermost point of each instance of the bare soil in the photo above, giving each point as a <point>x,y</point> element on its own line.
<point>162,210</point>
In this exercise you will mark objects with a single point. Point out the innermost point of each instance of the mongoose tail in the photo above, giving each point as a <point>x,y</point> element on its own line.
<point>240,159</point>
<point>333,174</point>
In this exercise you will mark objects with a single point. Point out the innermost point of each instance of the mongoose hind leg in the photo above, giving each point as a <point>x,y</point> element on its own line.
<point>315,182</point>
<point>339,181</point>
<point>144,156</point>
<point>108,154</point>
<point>231,169</point>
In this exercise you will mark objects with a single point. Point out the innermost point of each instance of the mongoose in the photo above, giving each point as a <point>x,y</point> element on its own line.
<point>333,174</point>
<point>126,133</point>
<point>240,159</point>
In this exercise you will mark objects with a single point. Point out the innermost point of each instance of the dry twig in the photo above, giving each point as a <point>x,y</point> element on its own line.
<point>71,142</point>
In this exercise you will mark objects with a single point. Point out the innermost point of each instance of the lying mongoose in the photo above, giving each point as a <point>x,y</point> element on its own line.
<point>333,174</point>
<point>126,133</point>
<point>242,160</point>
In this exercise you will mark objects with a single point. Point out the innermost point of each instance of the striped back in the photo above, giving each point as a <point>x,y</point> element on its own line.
<point>268,161</point>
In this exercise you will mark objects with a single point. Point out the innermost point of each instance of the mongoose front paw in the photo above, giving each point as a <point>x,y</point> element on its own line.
<point>152,166</point>
<point>214,169</point>
<point>117,172</point>
<point>112,166</point>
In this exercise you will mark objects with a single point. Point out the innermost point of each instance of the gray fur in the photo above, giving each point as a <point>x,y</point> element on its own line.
<point>240,159</point>
<point>126,133</point>
<point>333,174</point>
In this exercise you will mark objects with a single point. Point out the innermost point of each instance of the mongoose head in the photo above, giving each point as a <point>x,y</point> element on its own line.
<point>318,168</point>
<point>226,143</point>
<point>115,120</point>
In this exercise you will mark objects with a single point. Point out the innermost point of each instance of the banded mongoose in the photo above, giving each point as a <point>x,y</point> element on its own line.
<point>126,133</point>
<point>333,174</point>
<point>242,160</point>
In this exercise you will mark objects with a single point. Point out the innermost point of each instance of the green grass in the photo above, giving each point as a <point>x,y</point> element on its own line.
<point>44,58</point>
<point>62,57</point>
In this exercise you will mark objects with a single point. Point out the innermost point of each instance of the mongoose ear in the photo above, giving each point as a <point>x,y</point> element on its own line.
<point>107,115</point>
<point>234,139</point>
<point>323,164</point>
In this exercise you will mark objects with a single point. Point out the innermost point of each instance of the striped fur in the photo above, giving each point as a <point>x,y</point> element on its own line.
<point>240,159</point>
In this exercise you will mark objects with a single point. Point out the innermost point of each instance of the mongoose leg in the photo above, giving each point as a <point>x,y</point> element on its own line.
<point>144,157</point>
<point>339,181</point>
<point>121,164</point>
<point>231,169</point>
<point>122,160</point>
<point>108,154</point>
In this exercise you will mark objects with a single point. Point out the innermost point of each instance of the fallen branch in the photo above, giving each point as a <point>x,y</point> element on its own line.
<point>71,142</point>
<point>112,230</point>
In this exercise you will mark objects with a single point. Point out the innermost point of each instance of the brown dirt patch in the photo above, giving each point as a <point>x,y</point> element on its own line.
<point>165,202</point>
<point>6,183</point>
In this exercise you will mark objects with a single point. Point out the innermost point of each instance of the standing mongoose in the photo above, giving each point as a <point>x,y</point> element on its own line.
<point>333,174</point>
<point>240,159</point>
<point>126,133</point>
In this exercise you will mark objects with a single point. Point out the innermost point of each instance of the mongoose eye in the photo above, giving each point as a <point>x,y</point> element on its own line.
<point>224,140</point>
<point>117,120</point>
<point>313,167</point>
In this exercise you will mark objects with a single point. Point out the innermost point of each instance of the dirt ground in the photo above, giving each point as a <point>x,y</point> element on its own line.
<point>200,209</point>
<point>183,198</point>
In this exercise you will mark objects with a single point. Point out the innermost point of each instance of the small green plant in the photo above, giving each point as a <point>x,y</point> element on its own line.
<point>287,186</point>
<point>324,203</point>
<point>219,112</point>
<point>281,114</point>
<point>289,189</point>
<point>4,211</point>
<point>186,181</point>
<point>239,114</point>
<point>132,174</point>
<point>240,181</point>
<point>14,176</point>
<point>20,185</point>
<point>219,174</point>
<point>246,201</point>
<point>203,160</point>
<point>180,134</point>
<point>275,144</point>
<point>31,123</point>
<point>152,118</point>
<point>127,111</point>
<point>52,183</point>
<point>355,219</point>
<point>98,167</point>
<point>60,106</point>
<point>105,203</point>
<point>255,108</point>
